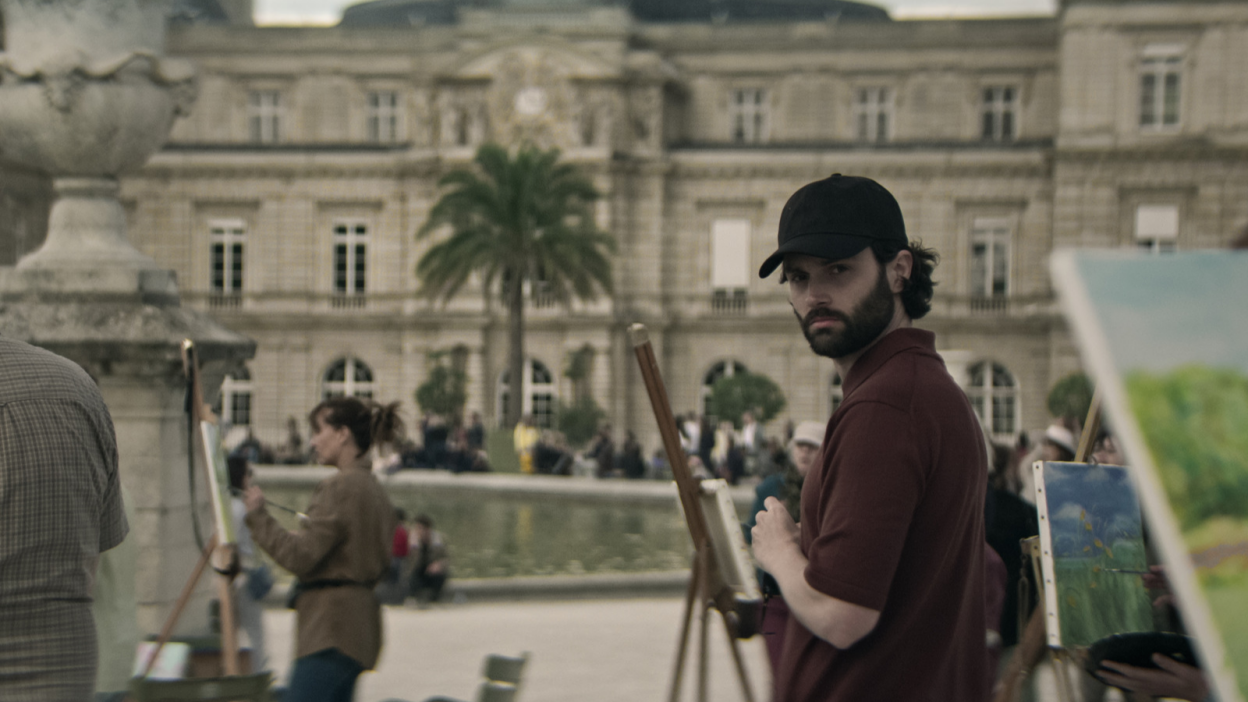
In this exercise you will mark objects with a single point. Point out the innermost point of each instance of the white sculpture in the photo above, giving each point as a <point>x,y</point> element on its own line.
<point>84,96</point>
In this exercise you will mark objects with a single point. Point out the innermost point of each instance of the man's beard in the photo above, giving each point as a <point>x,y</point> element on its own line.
<point>865,324</point>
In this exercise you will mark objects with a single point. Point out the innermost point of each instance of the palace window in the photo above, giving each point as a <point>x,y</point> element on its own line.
<point>347,377</point>
<point>350,258</point>
<point>236,398</point>
<point>999,122</point>
<point>730,265</point>
<point>990,258</point>
<point>748,111</point>
<point>994,396</point>
<point>539,394</point>
<point>227,239</point>
<point>1157,228</point>
<point>873,113</point>
<point>264,116</point>
<point>383,117</point>
<point>1161,71</point>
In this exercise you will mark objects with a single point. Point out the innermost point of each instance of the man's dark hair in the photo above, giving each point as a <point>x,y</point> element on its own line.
<point>424,520</point>
<point>916,297</point>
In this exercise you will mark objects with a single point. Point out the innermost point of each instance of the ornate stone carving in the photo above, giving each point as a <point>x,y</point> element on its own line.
<point>86,95</point>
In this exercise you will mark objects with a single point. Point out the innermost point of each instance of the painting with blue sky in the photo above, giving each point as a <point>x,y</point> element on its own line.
<point>1166,338</point>
<point>1092,534</point>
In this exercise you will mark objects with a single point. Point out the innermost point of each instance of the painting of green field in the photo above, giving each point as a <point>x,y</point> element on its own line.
<point>1095,601</point>
<point>1095,533</point>
<point>1167,338</point>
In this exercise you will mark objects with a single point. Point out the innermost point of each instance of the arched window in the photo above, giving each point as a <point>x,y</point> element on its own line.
<point>236,398</point>
<point>723,369</point>
<point>347,377</point>
<point>838,393</point>
<point>994,395</point>
<point>539,394</point>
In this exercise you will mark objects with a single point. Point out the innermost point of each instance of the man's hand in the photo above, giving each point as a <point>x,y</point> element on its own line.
<point>253,498</point>
<point>1174,679</point>
<point>775,535</point>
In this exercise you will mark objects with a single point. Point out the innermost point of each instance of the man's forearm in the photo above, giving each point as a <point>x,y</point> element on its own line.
<point>838,622</point>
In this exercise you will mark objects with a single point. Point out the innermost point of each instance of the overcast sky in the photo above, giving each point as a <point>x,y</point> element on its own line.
<point>329,11</point>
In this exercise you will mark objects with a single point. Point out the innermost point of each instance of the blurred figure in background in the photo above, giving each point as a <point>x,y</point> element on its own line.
<point>248,607</point>
<point>429,561</point>
<point>524,436</point>
<point>786,486</point>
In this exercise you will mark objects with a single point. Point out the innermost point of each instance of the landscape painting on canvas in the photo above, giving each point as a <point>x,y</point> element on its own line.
<point>1167,340</point>
<point>1092,535</point>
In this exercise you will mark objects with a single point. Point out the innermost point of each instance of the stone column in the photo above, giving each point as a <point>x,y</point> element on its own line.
<point>84,96</point>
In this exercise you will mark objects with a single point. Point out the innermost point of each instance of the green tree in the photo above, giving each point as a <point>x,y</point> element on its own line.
<point>517,218</point>
<point>733,396</point>
<point>444,392</point>
<point>1071,397</point>
<point>580,420</point>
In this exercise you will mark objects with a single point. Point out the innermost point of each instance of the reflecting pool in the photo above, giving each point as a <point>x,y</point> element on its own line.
<point>500,534</point>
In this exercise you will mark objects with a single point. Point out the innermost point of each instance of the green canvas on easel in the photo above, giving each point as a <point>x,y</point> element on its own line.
<point>1167,339</point>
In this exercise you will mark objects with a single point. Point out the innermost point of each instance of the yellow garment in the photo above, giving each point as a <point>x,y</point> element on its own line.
<point>525,437</point>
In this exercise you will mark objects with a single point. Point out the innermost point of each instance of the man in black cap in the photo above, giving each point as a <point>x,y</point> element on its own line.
<point>885,576</point>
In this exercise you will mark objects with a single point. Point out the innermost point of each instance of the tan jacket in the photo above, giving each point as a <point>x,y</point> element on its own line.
<point>346,536</point>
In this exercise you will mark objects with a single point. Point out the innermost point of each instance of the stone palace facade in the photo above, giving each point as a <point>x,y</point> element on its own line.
<point>288,201</point>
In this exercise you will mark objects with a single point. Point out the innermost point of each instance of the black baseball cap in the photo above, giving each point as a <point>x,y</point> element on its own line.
<point>835,218</point>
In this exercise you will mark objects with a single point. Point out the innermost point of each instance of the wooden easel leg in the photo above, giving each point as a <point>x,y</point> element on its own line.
<point>736,658</point>
<point>185,597</point>
<point>704,658</point>
<point>229,635</point>
<point>695,584</point>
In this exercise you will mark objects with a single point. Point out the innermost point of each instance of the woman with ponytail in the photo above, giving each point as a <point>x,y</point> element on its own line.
<point>339,552</point>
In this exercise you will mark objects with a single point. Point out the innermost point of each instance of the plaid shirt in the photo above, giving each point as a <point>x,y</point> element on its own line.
<point>60,506</point>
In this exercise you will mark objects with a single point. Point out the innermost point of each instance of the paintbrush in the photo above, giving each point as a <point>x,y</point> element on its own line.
<point>1128,571</point>
<point>239,493</point>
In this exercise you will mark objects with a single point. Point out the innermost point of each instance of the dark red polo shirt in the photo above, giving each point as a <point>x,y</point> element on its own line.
<point>892,519</point>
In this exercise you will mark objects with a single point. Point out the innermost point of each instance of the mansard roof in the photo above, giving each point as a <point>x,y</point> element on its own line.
<point>401,13</point>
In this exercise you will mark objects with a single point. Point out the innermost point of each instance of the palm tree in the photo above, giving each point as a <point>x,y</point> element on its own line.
<point>522,218</point>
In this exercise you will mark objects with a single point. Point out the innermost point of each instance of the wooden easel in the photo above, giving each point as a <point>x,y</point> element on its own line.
<point>220,549</point>
<point>1031,645</point>
<point>708,588</point>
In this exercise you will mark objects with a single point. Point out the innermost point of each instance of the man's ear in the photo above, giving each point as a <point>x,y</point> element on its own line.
<point>899,270</point>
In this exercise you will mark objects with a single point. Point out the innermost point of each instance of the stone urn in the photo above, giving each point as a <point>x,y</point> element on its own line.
<point>86,95</point>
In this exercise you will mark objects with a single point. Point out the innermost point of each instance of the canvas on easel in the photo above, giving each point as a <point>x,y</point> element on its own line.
<point>1092,553</point>
<point>1167,339</point>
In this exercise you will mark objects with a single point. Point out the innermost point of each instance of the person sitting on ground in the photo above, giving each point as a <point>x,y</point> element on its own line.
<point>429,561</point>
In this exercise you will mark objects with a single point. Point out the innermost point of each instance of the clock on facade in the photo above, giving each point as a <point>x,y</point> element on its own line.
<point>531,101</point>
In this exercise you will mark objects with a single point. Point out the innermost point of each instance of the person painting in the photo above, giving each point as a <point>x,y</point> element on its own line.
<point>339,553</point>
<point>884,579</point>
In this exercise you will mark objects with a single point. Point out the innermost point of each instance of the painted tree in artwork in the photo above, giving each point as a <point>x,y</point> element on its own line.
<point>517,217</point>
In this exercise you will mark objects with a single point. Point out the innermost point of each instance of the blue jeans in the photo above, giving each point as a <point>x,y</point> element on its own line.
<point>324,676</point>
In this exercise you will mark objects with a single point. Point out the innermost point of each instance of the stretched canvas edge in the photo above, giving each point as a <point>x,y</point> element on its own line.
<point>1089,336</point>
<point>1053,620</point>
